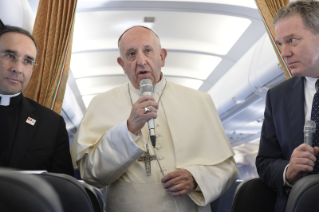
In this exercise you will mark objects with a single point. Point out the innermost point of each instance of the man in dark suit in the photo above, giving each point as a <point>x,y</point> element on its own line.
<point>32,137</point>
<point>282,156</point>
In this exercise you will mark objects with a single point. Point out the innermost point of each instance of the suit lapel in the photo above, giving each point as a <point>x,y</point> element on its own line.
<point>294,101</point>
<point>24,133</point>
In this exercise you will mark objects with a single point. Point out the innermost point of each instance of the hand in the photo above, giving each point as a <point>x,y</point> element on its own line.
<point>302,159</point>
<point>138,117</point>
<point>179,182</point>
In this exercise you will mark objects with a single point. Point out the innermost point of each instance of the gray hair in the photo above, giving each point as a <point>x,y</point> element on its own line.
<point>158,39</point>
<point>7,28</point>
<point>307,9</point>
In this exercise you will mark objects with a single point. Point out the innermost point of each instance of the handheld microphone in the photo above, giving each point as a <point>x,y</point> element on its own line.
<point>146,88</point>
<point>309,130</point>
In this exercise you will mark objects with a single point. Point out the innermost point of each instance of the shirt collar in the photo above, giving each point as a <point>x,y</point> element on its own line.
<point>5,99</point>
<point>158,87</point>
<point>311,83</point>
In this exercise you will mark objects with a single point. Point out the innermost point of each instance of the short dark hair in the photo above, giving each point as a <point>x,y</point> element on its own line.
<point>307,9</point>
<point>7,28</point>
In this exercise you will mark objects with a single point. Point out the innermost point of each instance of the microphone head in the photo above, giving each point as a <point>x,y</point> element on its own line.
<point>310,126</point>
<point>146,87</point>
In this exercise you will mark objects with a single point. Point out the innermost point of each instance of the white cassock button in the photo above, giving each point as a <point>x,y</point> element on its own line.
<point>158,147</point>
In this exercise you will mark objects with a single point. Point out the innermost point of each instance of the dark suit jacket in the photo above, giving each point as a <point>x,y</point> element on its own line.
<point>44,146</point>
<point>281,133</point>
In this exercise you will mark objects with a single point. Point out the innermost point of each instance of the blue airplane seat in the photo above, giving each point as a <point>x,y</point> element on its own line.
<point>71,192</point>
<point>27,193</point>
<point>304,195</point>
<point>254,195</point>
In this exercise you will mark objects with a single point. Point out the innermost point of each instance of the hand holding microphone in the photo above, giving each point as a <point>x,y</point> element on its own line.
<point>146,88</point>
<point>301,161</point>
<point>139,114</point>
<point>309,130</point>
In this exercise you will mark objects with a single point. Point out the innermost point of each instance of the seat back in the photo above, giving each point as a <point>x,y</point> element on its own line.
<point>25,192</point>
<point>72,194</point>
<point>95,195</point>
<point>304,195</point>
<point>254,195</point>
<point>225,201</point>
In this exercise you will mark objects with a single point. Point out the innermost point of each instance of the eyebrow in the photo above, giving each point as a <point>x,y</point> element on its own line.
<point>134,49</point>
<point>148,46</point>
<point>15,53</point>
<point>287,37</point>
<point>129,50</point>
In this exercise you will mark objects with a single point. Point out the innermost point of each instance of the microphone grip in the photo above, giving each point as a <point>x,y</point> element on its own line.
<point>308,137</point>
<point>151,127</point>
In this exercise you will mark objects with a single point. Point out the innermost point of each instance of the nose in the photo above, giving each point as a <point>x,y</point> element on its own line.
<point>17,67</point>
<point>141,59</point>
<point>286,51</point>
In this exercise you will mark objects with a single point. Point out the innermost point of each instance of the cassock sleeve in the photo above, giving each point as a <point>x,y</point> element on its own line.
<point>61,160</point>
<point>110,157</point>
<point>212,180</point>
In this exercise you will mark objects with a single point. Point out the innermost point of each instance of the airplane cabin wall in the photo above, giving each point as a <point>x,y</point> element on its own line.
<point>17,13</point>
<point>257,67</point>
<point>240,94</point>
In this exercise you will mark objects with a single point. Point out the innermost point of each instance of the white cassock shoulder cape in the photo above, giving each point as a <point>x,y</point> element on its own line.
<point>197,134</point>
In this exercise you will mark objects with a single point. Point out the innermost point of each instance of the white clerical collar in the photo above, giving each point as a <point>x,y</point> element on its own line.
<point>5,99</point>
<point>158,87</point>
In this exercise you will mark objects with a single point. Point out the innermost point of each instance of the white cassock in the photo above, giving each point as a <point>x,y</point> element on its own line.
<point>189,136</point>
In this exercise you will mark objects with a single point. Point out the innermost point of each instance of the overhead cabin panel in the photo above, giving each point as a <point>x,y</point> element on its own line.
<point>257,68</point>
<point>240,94</point>
<point>264,66</point>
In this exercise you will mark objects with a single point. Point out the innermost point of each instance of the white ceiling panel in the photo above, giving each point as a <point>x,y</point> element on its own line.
<point>96,85</point>
<point>242,3</point>
<point>95,64</point>
<point>191,83</point>
<point>192,65</point>
<point>210,33</point>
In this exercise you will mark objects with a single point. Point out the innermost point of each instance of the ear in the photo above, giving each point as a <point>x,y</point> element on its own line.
<point>1,25</point>
<point>121,63</point>
<point>163,56</point>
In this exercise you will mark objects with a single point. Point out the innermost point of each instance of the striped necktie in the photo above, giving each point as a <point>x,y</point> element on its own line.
<point>315,118</point>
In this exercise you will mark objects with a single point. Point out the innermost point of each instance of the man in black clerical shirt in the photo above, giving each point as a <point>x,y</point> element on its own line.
<point>32,137</point>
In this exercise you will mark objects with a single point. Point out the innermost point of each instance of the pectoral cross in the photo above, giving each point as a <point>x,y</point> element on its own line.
<point>147,158</point>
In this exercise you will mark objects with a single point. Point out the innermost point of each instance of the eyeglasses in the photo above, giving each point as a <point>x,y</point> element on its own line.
<point>12,59</point>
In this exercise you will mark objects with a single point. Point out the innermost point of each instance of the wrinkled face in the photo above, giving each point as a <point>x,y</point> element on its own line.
<point>299,46</point>
<point>141,56</point>
<point>14,77</point>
